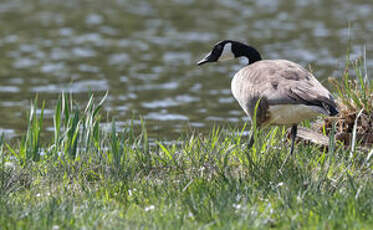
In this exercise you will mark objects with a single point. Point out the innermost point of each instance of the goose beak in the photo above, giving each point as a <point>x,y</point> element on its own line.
<point>206,59</point>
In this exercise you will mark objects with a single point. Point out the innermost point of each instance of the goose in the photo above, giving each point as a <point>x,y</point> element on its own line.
<point>284,92</point>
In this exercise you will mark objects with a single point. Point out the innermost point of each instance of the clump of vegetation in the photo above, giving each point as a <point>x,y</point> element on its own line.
<point>355,103</point>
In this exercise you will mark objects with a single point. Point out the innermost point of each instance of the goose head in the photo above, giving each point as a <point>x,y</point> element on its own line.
<point>228,49</point>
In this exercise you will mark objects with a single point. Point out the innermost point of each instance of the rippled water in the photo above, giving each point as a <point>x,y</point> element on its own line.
<point>144,52</point>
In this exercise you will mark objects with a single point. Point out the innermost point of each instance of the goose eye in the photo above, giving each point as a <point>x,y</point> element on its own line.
<point>217,50</point>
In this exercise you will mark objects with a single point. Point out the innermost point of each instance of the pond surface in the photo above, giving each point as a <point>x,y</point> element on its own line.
<point>144,53</point>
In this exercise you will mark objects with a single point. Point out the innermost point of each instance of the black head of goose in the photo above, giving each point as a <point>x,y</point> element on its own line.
<point>288,93</point>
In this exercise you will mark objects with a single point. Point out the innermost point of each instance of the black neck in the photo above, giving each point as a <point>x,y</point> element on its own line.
<point>242,50</point>
<point>251,54</point>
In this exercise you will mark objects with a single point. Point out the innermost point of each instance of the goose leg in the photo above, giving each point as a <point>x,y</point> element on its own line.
<point>251,140</point>
<point>293,135</point>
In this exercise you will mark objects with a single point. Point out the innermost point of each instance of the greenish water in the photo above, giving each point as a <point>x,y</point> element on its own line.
<point>144,53</point>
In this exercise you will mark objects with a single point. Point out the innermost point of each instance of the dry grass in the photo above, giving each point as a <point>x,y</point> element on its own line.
<point>355,104</point>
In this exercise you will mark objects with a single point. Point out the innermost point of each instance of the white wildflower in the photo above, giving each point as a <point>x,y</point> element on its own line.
<point>237,206</point>
<point>131,191</point>
<point>280,184</point>
<point>149,208</point>
<point>9,165</point>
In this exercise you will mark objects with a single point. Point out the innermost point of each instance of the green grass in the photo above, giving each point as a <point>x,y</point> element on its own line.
<point>89,176</point>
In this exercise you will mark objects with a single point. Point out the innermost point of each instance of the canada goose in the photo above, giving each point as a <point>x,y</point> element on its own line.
<point>288,93</point>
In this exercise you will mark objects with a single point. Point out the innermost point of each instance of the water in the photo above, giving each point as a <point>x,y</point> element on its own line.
<point>144,53</point>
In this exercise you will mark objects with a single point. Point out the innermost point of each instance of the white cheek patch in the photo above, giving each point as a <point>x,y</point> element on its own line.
<point>227,53</point>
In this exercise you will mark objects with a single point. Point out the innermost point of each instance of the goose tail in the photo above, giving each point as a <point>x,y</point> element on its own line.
<point>332,110</point>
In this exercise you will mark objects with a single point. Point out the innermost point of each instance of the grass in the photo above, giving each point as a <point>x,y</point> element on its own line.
<point>89,176</point>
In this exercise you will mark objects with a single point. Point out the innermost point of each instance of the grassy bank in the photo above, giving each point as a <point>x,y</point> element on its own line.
<point>89,176</point>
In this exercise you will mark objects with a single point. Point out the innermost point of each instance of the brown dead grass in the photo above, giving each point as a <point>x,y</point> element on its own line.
<point>355,105</point>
